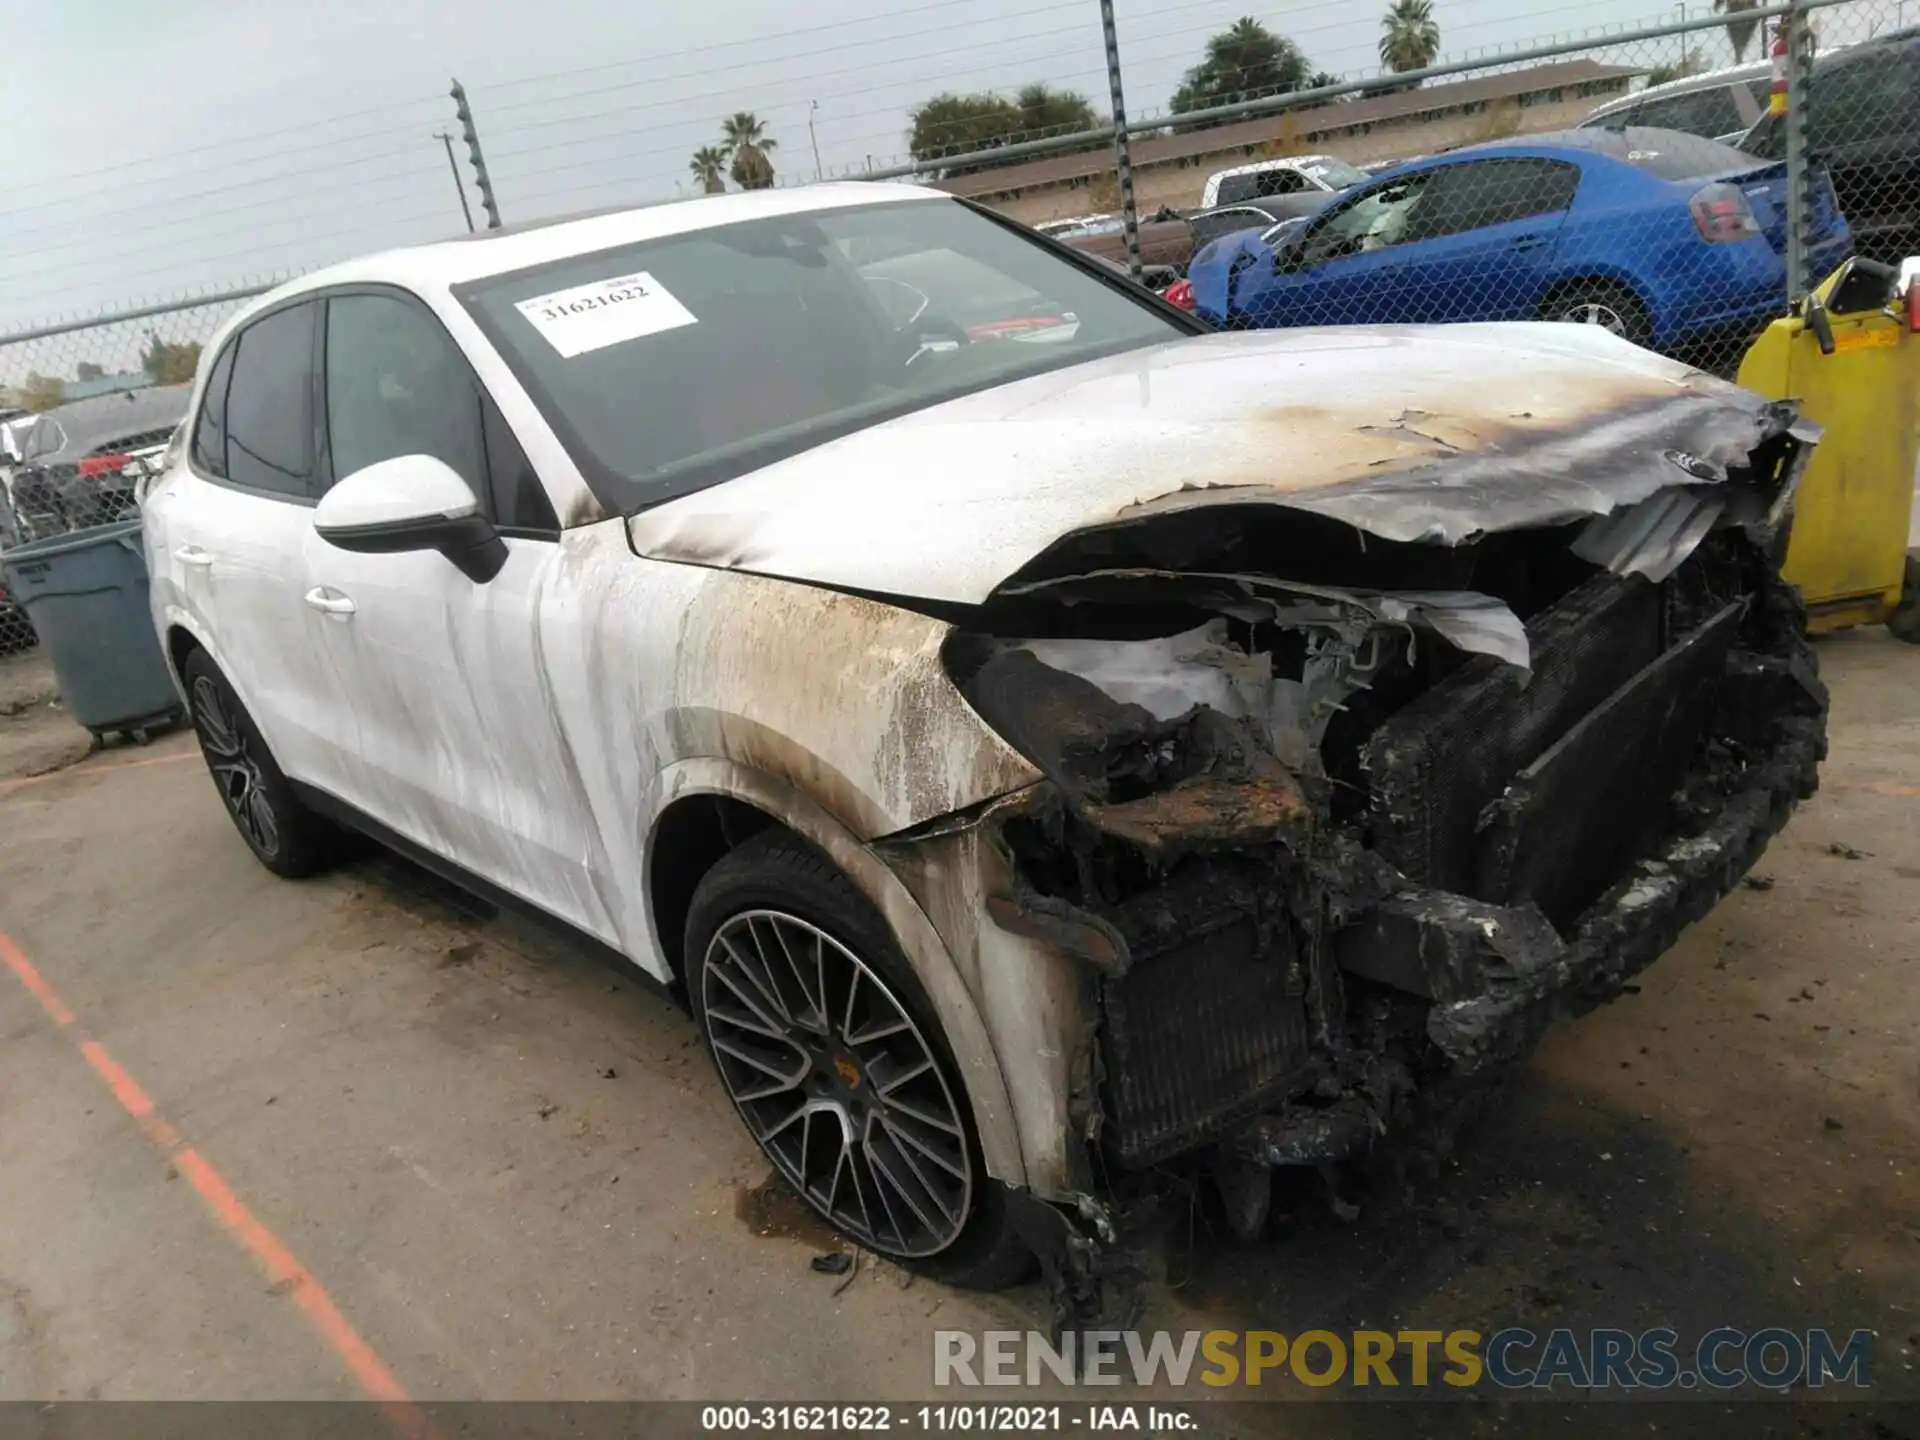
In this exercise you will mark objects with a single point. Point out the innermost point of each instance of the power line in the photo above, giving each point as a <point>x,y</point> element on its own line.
<point>675,57</point>
<point>776,59</point>
<point>436,212</point>
<point>95,218</point>
<point>410,176</point>
<point>217,145</point>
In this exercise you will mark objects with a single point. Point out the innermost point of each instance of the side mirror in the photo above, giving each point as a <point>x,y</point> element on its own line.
<point>411,502</point>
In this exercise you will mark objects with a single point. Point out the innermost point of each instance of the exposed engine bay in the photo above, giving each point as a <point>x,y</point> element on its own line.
<point>1331,849</point>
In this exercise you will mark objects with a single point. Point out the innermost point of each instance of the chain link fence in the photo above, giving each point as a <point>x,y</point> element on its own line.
<point>1643,182</point>
<point>1678,203</point>
<point>89,407</point>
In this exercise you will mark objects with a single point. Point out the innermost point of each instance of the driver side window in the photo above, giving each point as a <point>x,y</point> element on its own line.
<point>398,385</point>
<point>1381,218</point>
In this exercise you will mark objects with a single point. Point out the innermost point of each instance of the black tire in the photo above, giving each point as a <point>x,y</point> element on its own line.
<point>283,834</point>
<point>1905,620</point>
<point>1604,303</point>
<point>776,878</point>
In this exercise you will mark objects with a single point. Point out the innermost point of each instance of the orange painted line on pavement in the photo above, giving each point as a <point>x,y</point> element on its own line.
<point>7,787</point>
<point>288,1275</point>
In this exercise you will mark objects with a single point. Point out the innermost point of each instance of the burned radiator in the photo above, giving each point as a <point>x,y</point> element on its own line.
<point>1201,1034</point>
<point>1506,787</point>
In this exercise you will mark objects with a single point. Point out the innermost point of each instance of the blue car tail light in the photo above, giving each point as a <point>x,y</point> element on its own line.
<point>1721,212</point>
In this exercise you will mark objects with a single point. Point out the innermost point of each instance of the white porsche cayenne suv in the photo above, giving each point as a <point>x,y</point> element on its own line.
<point>1050,747</point>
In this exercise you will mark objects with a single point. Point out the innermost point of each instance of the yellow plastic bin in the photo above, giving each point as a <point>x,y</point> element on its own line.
<point>1851,359</point>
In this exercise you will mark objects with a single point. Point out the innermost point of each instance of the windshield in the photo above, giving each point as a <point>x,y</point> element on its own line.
<point>680,362</point>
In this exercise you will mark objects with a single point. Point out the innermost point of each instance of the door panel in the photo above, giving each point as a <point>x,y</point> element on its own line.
<point>238,520</point>
<point>1485,236</point>
<point>458,746</point>
<point>1354,267</point>
<point>240,564</point>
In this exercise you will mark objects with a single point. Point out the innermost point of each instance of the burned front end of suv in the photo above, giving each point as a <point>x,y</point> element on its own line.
<point>1349,790</point>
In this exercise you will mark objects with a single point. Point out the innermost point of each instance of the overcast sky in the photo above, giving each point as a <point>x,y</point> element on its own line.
<point>150,148</point>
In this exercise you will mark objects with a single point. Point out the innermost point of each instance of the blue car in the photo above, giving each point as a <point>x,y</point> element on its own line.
<point>1676,242</point>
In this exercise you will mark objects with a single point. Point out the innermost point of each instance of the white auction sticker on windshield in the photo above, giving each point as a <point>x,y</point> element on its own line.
<point>606,312</point>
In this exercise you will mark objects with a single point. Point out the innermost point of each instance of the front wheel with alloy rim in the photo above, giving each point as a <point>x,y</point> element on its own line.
<point>283,834</point>
<point>830,1054</point>
<point>1603,304</point>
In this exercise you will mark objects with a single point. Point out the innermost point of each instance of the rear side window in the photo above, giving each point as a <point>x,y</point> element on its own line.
<point>1483,193</point>
<point>210,430</point>
<point>1868,98</point>
<point>269,419</point>
<point>1278,182</point>
<point>1698,112</point>
<point>1234,189</point>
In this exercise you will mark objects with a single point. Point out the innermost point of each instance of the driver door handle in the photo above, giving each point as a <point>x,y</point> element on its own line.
<point>193,555</point>
<point>1528,242</point>
<point>329,602</point>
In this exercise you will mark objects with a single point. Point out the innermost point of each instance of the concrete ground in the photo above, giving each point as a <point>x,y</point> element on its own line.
<point>509,1172</point>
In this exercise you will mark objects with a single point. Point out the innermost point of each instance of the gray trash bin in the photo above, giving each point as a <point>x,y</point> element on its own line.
<point>86,594</point>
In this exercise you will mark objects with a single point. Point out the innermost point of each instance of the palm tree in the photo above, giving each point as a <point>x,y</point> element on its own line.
<point>746,139</point>
<point>1409,38</point>
<point>709,167</point>
<point>1243,62</point>
<point>1739,32</point>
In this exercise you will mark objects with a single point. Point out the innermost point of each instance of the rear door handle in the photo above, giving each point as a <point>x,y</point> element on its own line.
<point>1528,242</point>
<point>193,555</point>
<point>329,602</point>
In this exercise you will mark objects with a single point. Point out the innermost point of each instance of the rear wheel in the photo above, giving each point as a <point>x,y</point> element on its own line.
<point>283,834</point>
<point>1602,303</point>
<point>831,1055</point>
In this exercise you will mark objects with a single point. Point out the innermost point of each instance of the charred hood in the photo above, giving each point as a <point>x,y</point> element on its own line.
<point>1424,438</point>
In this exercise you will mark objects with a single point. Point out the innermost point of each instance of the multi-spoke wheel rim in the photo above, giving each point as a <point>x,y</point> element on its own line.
<point>1593,312</point>
<point>837,1083</point>
<point>235,771</point>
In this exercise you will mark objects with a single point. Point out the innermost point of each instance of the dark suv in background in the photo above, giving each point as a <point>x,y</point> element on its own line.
<point>1863,124</point>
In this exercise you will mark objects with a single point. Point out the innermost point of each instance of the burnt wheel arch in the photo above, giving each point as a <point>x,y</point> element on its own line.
<point>692,835</point>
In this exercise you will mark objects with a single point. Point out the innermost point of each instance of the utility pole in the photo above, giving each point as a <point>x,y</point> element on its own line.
<point>481,180</point>
<point>1798,63</point>
<point>454,165</point>
<point>813,105</point>
<point>1123,161</point>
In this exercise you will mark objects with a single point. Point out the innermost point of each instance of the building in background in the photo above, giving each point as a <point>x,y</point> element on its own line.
<point>1170,169</point>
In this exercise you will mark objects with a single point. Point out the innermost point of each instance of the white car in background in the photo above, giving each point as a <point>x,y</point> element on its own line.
<point>1044,768</point>
<point>1306,175</point>
<point>1715,104</point>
